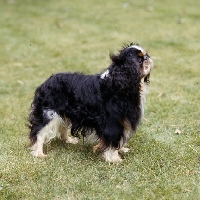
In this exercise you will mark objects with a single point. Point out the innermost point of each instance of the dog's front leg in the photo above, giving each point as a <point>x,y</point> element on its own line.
<point>63,131</point>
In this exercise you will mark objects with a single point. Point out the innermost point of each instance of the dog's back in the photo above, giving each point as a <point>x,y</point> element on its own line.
<point>66,94</point>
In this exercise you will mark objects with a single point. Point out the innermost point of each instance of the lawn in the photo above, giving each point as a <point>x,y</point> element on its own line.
<point>39,38</point>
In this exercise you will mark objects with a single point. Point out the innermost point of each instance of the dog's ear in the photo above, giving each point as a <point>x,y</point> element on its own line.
<point>122,77</point>
<point>120,59</point>
<point>117,59</point>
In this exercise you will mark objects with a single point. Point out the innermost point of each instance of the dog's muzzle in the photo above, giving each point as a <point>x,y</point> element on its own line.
<point>147,67</point>
<point>148,62</point>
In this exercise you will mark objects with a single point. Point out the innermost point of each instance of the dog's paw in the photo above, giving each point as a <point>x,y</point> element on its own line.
<point>124,150</point>
<point>72,140</point>
<point>113,159</point>
<point>38,154</point>
<point>111,156</point>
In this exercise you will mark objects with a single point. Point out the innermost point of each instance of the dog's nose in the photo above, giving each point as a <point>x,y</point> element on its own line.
<point>146,57</point>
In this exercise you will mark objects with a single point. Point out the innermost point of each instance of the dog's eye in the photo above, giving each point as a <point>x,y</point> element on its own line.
<point>140,60</point>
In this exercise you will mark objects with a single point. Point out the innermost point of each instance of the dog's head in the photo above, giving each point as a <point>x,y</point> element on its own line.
<point>137,58</point>
<point>128,68</point>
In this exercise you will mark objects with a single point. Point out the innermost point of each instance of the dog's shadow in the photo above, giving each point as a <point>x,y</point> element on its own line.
<point>60,147</point>
<point>81,150</point>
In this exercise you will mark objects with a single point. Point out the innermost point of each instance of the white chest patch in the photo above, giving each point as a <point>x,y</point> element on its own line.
<point>105,74</point>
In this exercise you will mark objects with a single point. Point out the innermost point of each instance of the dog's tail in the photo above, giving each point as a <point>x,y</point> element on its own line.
<point>36,118</point>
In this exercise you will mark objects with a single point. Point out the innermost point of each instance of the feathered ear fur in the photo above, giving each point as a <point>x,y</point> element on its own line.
<point>124,72</point>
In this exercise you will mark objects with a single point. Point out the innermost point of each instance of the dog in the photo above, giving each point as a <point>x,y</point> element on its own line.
<point>109,104</point>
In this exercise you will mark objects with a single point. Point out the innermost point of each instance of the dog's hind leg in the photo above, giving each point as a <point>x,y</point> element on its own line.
<point>63,131</point>
<point>37,148</point>
<point>45,134</point>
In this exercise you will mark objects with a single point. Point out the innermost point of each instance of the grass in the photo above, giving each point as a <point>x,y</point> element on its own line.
<point>38,38</point>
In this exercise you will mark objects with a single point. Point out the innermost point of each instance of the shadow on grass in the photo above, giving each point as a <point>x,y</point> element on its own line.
<point>80,150</point>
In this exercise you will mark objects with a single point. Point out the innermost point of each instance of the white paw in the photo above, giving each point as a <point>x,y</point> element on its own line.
<point>34,147</point>
<point>124,150</point>
<point>39,154</point>
<point>72,140</point>
<point>113,159</point>
<point>111,156</point>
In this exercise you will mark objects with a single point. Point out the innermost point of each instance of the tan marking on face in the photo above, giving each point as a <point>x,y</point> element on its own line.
<point>140,54</point>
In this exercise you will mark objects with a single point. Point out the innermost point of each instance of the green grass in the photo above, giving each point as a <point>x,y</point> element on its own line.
<point>38,38</point>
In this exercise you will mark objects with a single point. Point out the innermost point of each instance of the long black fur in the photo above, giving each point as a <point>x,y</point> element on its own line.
<point>92,103</point>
